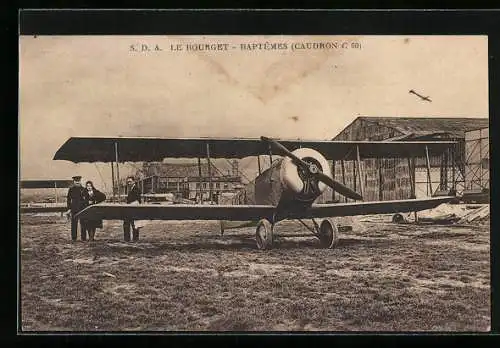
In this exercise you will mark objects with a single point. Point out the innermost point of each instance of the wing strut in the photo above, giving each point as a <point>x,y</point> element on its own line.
<point>342,166</point>
<point>209,175</point>
<point>333,174</point>
<point>117,170</point>
<point>452,150</point>
<point>270,164</point>
<point>361,176</point>
<point>427,161</point>
<point>113,178</point>
<point>200,191</point>
<point>55,189</point>
<point>413,183</point>
<point>411,173</point>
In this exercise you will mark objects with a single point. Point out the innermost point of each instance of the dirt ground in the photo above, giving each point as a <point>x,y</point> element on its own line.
<point>185,276</point>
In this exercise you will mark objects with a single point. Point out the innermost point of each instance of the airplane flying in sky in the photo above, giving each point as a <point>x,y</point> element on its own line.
<point>420,96</point>
<point>287,190</point>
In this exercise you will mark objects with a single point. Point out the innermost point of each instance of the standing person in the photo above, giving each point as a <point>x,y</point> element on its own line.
<point>92,196</point>
<point>133,197</point>
<point>76,202</point>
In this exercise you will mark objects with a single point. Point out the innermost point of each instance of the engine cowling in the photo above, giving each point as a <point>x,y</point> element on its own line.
<point>297,181</point>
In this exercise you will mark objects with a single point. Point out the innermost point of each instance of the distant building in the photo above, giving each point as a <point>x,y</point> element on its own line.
<point>44,191</point>
<point>184,180</point>
<point>389,178</point>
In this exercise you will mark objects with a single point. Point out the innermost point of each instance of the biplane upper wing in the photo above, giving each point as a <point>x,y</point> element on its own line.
<point>109,211</point>
<point>146,149</point>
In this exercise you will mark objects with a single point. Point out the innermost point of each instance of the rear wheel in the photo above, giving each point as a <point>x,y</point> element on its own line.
<point>264,235</point>
<point>328,234</point>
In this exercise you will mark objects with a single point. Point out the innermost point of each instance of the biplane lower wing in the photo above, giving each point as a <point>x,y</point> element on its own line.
<point>368,208</point>
<point>109,211</point>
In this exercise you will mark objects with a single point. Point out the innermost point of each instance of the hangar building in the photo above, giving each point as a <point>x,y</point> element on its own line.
<point>389,178</point>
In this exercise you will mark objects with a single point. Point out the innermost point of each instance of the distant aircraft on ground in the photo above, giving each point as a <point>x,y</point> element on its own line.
<point>286,190</point>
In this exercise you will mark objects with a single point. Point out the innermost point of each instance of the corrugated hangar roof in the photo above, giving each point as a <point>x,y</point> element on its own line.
<point>419,126</point>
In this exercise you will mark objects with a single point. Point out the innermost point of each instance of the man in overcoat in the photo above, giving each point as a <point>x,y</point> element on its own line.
<point>75,202</point>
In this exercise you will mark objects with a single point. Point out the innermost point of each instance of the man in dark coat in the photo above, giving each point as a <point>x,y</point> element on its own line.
<point>134,195</point>
<point>75,202</point>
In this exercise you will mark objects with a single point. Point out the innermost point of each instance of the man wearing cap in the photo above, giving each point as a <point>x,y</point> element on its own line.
<point>133,197</point>
<point>75,202</point>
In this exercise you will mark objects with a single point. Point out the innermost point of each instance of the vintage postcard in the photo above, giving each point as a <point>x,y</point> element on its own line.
<point>254,183</point>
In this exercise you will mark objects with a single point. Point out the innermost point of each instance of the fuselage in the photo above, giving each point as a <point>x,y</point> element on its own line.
<point>284,186</point>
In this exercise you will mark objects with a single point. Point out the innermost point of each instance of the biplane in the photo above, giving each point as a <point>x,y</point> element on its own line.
<point>287,190</point>
<point>420,96</point>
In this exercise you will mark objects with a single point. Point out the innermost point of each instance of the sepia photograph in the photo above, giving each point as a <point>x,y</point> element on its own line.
<point>252,183</point>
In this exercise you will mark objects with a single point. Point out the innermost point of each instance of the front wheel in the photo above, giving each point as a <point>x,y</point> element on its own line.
<point>328,234</point>
<point>264,235</point>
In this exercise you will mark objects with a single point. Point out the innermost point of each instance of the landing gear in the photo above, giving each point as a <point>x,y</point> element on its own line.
<point>328,234</point>
<point>264,235</point>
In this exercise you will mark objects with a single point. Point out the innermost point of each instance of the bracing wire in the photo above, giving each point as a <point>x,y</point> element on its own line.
<point>102,179</point>
<point>240,171</point>
<point>134,166</point>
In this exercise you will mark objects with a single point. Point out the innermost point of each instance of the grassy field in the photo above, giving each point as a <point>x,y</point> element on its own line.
<point>185,276</point>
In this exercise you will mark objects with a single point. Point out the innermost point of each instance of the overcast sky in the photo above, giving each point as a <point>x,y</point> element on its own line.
<point>95,86</point>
